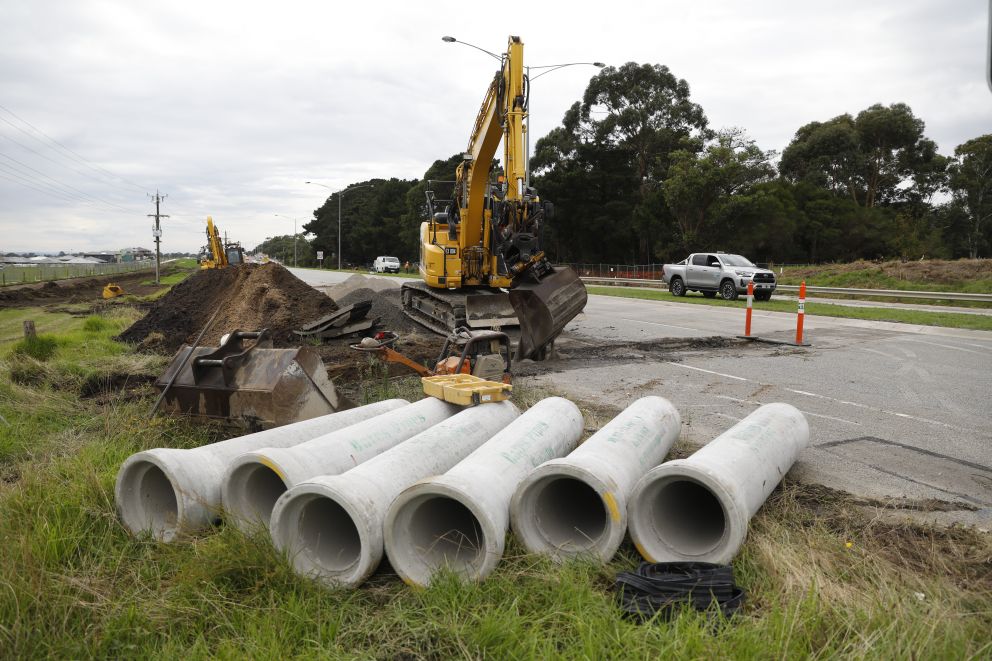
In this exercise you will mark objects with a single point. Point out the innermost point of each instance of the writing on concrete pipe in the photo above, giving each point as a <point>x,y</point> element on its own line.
<point>330,527</point>
<point>165,490</point>
<point>698,509</point>
<point>255,480</point>
<point>459,520</point>
<point>577,505</point>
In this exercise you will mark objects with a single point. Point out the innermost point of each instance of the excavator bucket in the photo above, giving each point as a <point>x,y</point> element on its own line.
<point>247,381</point>
<point>544,308</point>
<point>112,291</point>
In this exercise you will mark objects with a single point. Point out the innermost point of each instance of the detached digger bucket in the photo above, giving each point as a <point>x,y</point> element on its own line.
<point>545,308</point>
<point>251,383</point>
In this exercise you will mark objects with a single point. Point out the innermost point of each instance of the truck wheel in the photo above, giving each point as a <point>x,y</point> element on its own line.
<point>728,291</point>
<point>709,294</point>
<point>677,287</point>
<point>763,296</point>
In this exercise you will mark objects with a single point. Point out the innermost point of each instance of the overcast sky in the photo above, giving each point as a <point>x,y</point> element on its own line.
<point>228,107</point>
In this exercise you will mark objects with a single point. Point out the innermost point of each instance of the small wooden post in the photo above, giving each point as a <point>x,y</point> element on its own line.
<point>29,331</point>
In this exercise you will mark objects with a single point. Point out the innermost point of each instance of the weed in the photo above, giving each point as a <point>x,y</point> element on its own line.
<point>39,347</point>
<point>95,324</point>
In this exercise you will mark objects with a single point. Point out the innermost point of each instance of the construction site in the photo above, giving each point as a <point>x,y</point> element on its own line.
<point>320,447</point>
<point>481,449</point>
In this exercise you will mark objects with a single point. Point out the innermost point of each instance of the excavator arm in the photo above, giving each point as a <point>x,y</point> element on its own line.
<point>486,238</point>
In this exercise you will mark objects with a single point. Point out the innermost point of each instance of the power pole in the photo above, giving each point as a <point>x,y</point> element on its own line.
<point>157,232</point>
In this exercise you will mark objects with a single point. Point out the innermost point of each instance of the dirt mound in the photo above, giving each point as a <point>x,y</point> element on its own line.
<point>358,281</point>
<point>386,307</point>
<point>249,296</point>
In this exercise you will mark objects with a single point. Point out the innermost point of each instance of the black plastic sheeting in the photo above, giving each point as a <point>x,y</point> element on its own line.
<point>665,588</point>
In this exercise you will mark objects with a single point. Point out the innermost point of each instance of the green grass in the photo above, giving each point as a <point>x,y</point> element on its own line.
<point>171,279</point>
<point>921,317</point>
<point>823,579</point>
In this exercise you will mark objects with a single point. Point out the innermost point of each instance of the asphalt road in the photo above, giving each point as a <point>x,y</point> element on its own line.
<point>898,413</point>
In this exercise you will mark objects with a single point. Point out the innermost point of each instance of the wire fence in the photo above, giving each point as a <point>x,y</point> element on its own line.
<point>641,271</point>
<point>16,274</point>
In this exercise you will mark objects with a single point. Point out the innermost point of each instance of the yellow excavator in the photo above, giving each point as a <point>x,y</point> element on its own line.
<point>480,254</point>
<point>218,254</point>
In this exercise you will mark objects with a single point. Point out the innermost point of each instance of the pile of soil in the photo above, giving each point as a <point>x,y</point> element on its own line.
<point>386,308</point>
<point>249,296</point>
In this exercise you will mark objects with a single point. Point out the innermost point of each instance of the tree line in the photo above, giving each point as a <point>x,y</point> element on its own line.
<point>637,175</point>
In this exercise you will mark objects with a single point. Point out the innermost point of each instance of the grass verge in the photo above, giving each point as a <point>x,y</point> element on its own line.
<point>823,578</point>
<point>921,317</point>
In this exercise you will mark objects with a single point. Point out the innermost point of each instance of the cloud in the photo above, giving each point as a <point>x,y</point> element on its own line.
<point>230,106</point>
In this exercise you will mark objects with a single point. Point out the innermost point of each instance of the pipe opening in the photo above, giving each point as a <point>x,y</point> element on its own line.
<point>445,533</point>
<point>149,500</point>
<point>569,514</point>
<point>687,516</point>
<point>328,535</point>
<point>255,490</point>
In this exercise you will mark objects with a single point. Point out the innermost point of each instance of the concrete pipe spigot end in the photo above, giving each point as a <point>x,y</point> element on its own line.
<point>439,524</point>
<point>157,491</point>
<point>681,513</point>
<point>329,532</point>
<point>698,509</point>
<point>566,511</point>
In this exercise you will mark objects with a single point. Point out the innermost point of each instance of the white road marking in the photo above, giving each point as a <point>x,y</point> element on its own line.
<point>987,352</point>
<point>826,397</point>
<point>815,415</point>
<point>880,410</point>
<point>655,323</point>
<point>700,369</point>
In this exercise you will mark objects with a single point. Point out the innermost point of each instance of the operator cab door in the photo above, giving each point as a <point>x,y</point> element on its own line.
<point>703,271</point>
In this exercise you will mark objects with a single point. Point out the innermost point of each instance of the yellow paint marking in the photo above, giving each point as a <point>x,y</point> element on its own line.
<point>644,553</point>
<point>275,469</point>
<point>611,504</point>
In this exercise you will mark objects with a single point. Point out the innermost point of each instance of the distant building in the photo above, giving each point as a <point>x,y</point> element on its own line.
<point>136,254</point>
<point>104,256</point>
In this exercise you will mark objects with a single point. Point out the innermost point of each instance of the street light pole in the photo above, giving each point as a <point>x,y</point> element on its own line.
<point>340,194</point>
<point>549,67</point>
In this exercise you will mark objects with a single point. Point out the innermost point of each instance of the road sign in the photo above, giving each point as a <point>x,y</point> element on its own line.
<point>320,254</point>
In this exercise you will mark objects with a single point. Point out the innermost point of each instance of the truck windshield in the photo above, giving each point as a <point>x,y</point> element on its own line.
<point>736,260</point>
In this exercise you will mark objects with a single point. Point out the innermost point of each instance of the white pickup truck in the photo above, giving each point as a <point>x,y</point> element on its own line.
<point>715,273</point>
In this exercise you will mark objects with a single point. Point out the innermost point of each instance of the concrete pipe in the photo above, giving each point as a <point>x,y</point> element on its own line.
<point>697,509</point>
<point>578,505</point>
<point>331,526</point>
<point>459,520</point>
<point>166,490</point>
<point>255,480</point>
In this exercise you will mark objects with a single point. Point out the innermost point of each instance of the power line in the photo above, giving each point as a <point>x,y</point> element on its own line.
<point>64,185</point>
<point>49,158</point>
<point>27,183</point>
<point>76,155</point>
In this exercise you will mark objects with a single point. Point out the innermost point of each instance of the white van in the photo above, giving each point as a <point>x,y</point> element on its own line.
<point>386,265</point>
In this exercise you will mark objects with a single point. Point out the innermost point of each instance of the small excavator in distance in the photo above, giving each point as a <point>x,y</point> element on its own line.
<point>220,255</point>
<point>480,254</point>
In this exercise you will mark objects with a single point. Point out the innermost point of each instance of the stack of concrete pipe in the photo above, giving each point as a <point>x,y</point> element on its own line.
<point>331,526</point>
<point>165,491</point>
<point>434,486</point>
<point>255,480</point>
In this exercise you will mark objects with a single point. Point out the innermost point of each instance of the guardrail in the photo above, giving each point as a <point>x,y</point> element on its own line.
<point>847,291</point>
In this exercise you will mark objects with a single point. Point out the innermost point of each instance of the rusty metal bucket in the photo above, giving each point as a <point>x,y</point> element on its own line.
<point>247,381</point>
<point>544,308</point>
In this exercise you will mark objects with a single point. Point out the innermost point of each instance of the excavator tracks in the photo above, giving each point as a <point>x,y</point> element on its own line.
<point>443,310</point>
